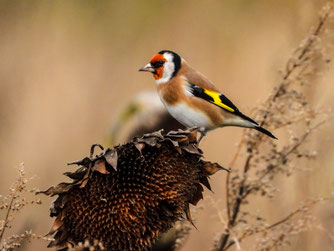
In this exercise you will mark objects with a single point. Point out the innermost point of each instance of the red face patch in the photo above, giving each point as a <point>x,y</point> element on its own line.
<point>159,70</point>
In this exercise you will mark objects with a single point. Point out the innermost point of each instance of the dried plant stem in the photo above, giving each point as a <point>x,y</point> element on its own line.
<point>296,63</point>
<point>16,202</point>
<point>299,58</point>
<point>9,209</point>
<point>276,224</point>
<point>287,153</point>
<point>18,188</point>
<point>234,159</point>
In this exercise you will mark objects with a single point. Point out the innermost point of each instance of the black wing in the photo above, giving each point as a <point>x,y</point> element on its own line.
<point>217,99</point>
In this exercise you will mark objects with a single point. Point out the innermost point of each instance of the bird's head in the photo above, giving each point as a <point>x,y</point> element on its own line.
<point>164,65</point>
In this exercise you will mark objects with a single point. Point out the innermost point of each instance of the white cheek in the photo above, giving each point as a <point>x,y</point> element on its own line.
<point>168,70</point>
<point>167,74</point>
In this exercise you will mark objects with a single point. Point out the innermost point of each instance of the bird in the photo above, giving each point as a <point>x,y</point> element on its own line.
<point>192,99</point>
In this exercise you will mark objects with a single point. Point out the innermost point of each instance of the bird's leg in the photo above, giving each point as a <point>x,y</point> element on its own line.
<point>203,133</point>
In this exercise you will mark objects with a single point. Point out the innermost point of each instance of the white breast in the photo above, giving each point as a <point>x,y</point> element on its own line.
<point>189,117</point>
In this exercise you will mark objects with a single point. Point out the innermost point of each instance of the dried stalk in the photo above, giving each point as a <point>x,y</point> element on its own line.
<point>9,209</point>
<point>289,217</point>
<point>299,60</point>
<point>18,188</point>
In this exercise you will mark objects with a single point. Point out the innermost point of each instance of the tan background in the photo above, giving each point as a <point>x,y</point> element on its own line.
<point>68,67</point>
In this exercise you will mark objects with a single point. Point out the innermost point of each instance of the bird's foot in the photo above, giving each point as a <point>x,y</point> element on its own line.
<point>203,133</point>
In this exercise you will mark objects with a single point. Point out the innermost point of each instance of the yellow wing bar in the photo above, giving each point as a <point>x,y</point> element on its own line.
<point>217,100</point>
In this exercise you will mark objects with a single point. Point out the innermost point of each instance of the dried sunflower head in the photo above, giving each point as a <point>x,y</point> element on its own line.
<point>126,197</point>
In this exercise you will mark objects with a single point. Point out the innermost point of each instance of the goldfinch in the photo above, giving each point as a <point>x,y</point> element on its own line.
<point>191,98</point>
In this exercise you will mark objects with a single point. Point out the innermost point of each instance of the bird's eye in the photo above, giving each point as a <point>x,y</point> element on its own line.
<point>158,64</point>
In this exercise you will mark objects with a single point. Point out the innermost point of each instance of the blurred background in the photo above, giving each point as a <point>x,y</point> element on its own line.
<point>68,69</point>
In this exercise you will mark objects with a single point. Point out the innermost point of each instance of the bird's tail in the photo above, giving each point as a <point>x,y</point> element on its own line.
<point>250,123</point>
<point>266,132</point>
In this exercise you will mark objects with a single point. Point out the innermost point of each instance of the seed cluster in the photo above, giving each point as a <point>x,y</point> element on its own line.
<point>129,205</point>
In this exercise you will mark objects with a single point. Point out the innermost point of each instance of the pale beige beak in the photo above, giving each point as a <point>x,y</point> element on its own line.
<point>148,68</point>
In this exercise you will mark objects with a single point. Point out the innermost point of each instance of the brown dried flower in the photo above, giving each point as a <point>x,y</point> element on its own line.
<point>126,197</point>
